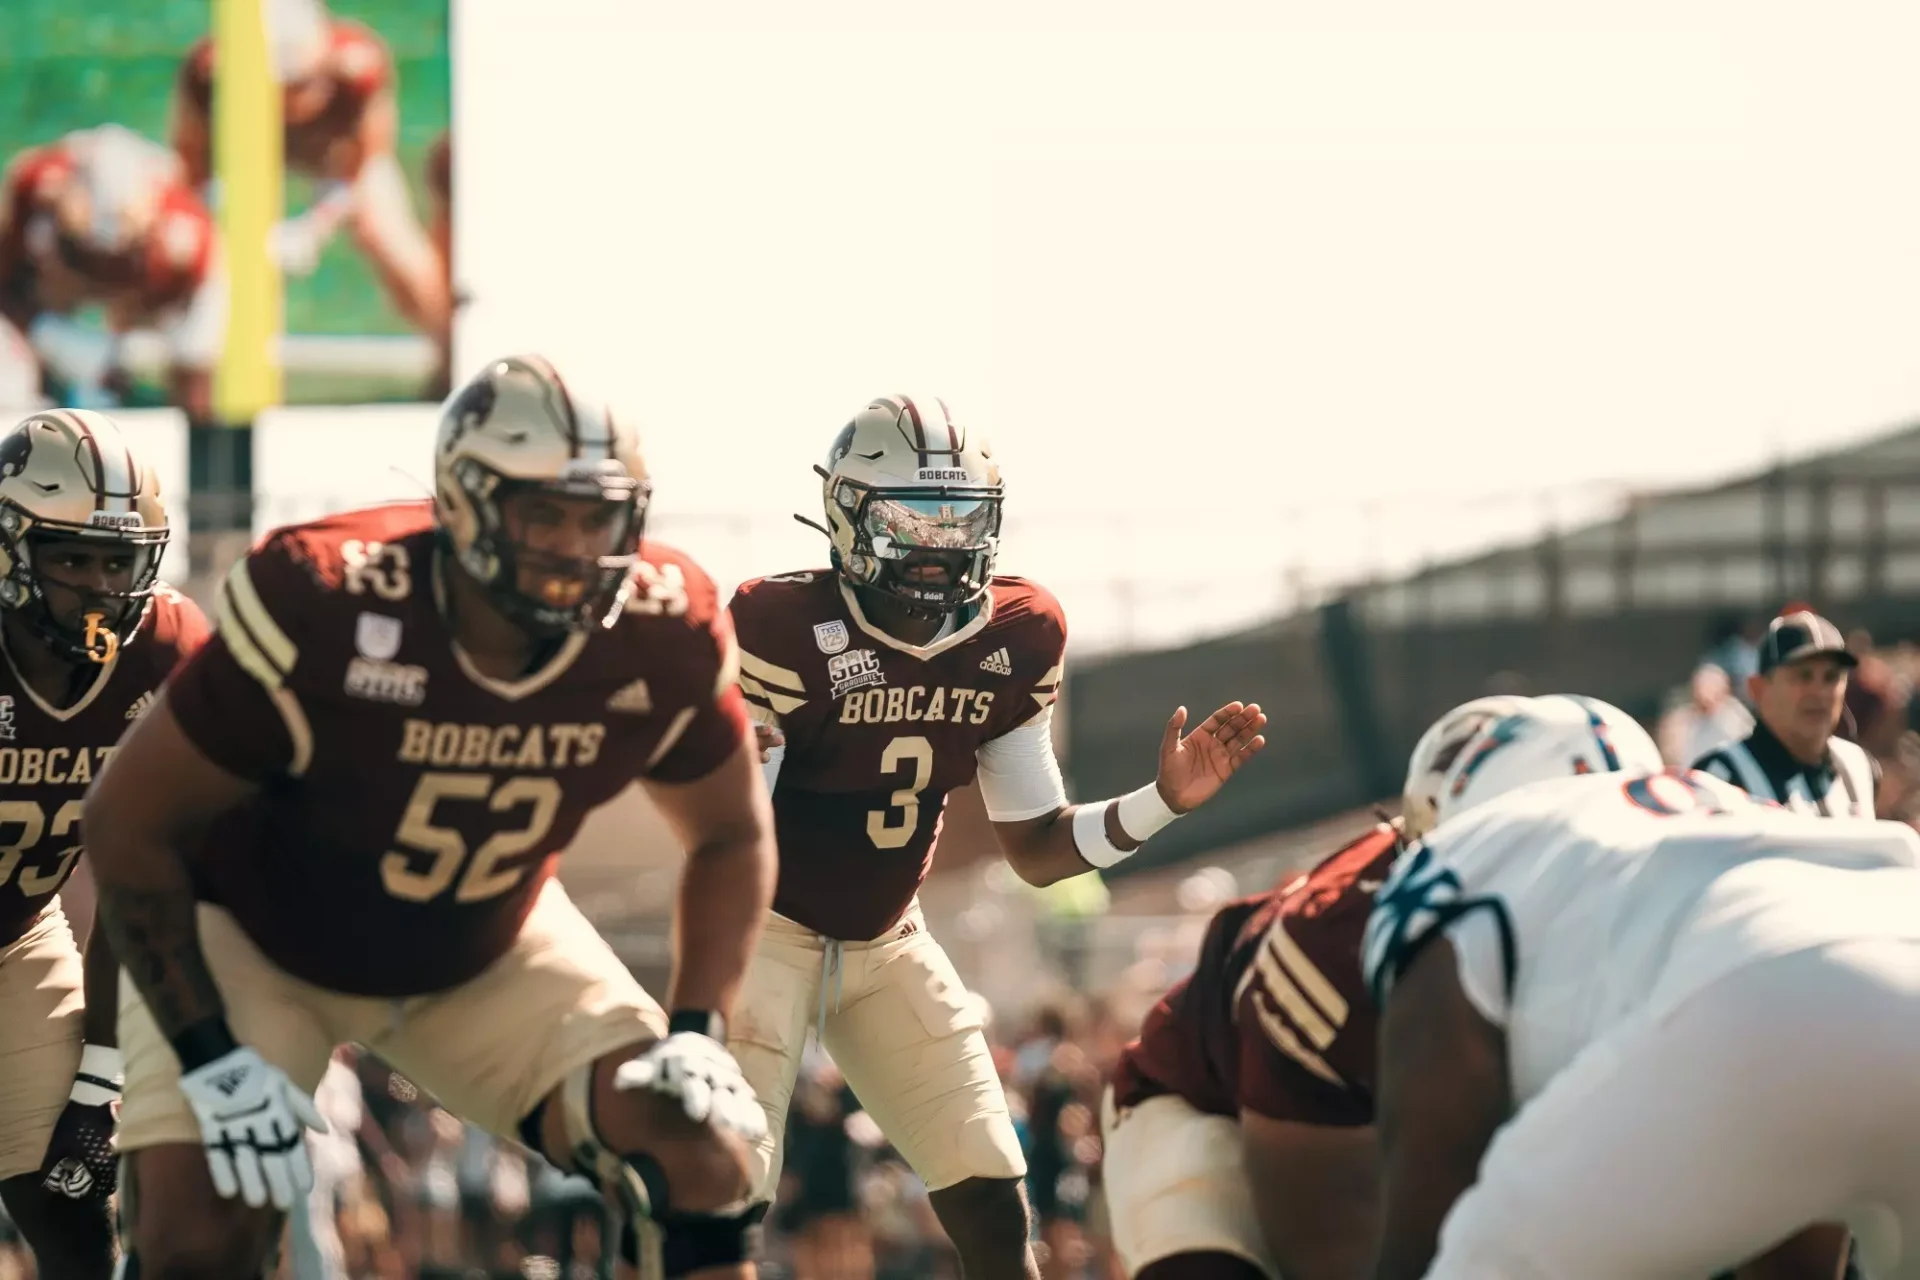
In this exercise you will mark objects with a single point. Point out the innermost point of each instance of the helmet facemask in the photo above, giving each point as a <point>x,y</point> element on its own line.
<point>569,592</point>
<point>79,623</point>
<point>900,532</point>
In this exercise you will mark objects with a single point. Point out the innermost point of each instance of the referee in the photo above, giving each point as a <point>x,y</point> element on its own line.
<point>1798,695</point>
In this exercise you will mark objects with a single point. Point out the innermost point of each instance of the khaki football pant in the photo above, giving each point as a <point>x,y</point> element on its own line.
<point>489,1050</point>
<point>901,1027</point>
<point>1176,1182</point>
<point>42,1002</point>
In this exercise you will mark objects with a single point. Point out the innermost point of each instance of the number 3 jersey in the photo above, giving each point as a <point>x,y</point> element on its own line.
<point>411,808</point>
<point>49,754</point>
<point>879,732</point>
<point>1575,904</point>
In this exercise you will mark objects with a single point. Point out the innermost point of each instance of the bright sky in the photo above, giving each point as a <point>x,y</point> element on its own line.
<point>1238,293</point>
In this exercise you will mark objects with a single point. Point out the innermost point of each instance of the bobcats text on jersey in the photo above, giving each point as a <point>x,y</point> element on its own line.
<point>880,734</point>
<point>54,752</point>
<point>431,824</point>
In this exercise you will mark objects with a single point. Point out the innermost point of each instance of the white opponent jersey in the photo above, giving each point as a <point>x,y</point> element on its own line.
<point>1577,903</point>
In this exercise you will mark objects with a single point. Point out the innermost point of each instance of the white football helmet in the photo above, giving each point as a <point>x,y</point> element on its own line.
<point>907,485</point>
<point>66,476</point>
<point>1490,746</point>
<point>515,427</point>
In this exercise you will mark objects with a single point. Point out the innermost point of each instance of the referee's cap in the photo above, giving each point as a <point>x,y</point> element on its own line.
<point>1802,634</point>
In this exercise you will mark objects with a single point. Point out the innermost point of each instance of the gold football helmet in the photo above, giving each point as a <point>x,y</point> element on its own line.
<point>515,427</point>
<point>69,475</point>
<point>909,489</point>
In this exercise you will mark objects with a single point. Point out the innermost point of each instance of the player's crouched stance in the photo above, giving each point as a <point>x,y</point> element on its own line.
<point>339,823</point>
<point>1644,1026</point>
<point>88,632</point>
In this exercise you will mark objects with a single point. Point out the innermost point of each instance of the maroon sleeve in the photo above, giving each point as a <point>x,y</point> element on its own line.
<point>720,720</point>
<point>1307,1026</point>
<point>230,697</point>
<point>1039,652</point>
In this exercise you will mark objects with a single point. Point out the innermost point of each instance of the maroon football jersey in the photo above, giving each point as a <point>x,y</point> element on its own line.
<point>879,732</point>
<point>1275,1017</point>
<point>48,755</point>
<point>411,808</point>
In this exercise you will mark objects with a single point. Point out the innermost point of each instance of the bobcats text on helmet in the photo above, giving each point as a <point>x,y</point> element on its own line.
<point>912,496</point>
<point>67,477</point>
<point>515,428</point>
<point>1490,746</point>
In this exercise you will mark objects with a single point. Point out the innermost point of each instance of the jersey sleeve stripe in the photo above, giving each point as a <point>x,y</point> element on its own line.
<point>1308,975</point>
<point>246,602</point>
<point>768,674</point>
<point>780,703</point>
<point>1287,1042</point>
<point>1287,996</point>
<point>1051,680</point>
<point>729,664</point>
<point>675,728</point>
<point>251,656</point>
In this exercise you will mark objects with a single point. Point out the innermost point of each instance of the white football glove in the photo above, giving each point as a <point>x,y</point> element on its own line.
<point>253,1122</point>
<point>700,1072</point>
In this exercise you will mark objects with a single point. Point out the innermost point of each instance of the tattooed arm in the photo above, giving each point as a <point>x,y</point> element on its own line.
<point>144,815</point>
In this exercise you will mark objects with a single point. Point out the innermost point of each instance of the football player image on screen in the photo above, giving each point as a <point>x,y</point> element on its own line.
<point>88,633</point>
<point>1640,1024</point>
<point>105,218</point>
<point>340,822</point>
<point>888,681</point>
<point>342,122</point>
<point>1239,1125</point>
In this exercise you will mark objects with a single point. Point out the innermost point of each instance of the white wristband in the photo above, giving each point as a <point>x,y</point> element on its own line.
<point>1090,835</point>
<point>1143,812</point>
<point>102,1073</point>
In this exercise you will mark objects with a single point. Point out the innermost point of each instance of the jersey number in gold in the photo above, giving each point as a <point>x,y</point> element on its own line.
<point>892,827</point>
<point>484,877</point>
<point>380,567</point>
<point>32,820</point>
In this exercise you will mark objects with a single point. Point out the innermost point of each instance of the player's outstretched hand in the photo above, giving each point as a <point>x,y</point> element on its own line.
<point>253,1121</point>
<point>766,738</point>
<point>698,1071</point>
<point>1194,767</point>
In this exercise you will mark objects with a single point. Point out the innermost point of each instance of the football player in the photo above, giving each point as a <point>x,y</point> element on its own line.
<point>88,633</point>
<point>339,823</point>
<point>887,682</point>
<point>1239,1125</point>
<point>103,217</point>
<point>1640,1025</point>
<point>341,122</point>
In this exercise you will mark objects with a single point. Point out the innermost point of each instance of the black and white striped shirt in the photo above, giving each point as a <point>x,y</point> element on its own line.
<point>1761,766</point>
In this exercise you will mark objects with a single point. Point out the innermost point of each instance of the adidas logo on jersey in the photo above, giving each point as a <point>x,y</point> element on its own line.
<point>140,705</point>
<point>635,699</point>
<point>998,663</point>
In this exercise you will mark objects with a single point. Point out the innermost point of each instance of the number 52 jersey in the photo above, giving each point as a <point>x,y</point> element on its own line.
<point>879,732</point>
<point>410,808</point>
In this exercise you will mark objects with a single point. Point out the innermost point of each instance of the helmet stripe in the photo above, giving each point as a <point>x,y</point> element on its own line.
<point>919,428</point>
<point>1599,726</point>
<point>953,432</point>
<point>100,487</point>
